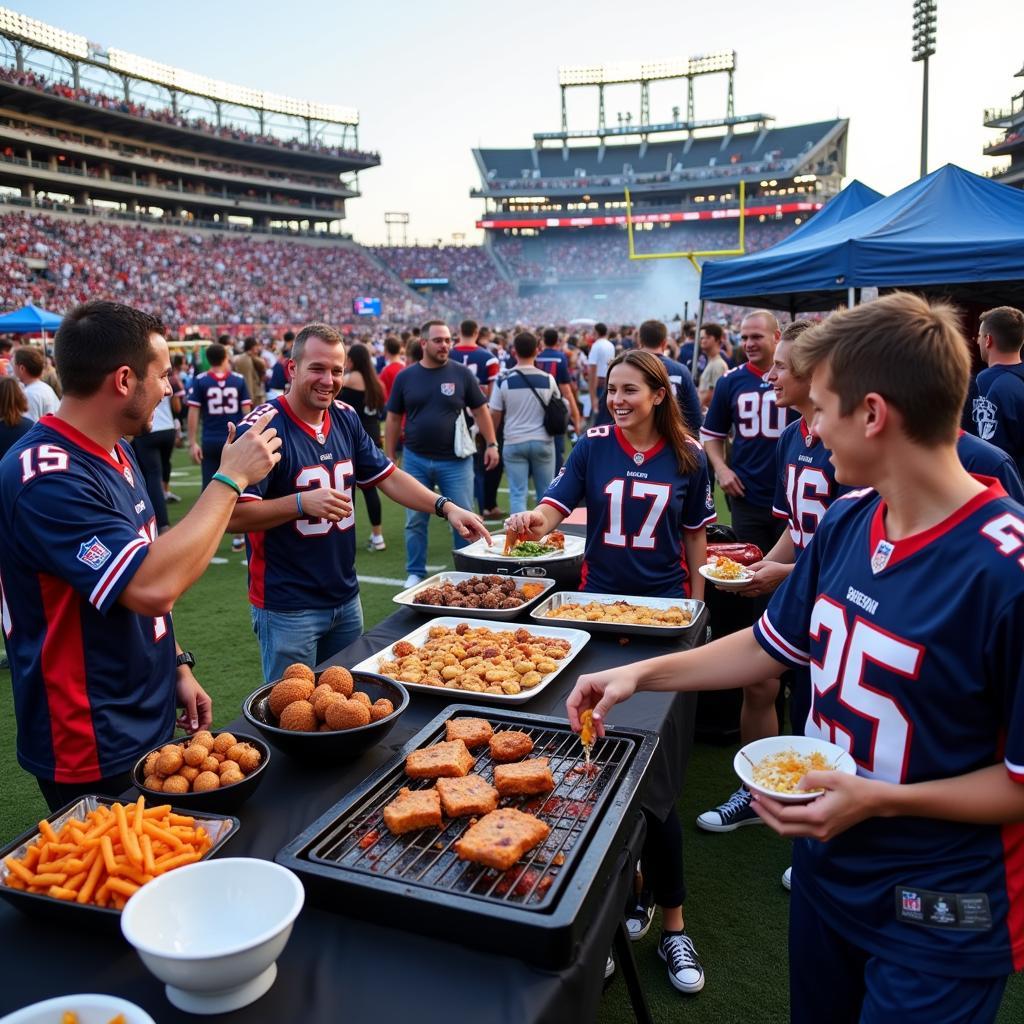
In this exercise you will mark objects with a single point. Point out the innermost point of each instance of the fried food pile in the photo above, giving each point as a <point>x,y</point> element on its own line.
<point>782,771</point>
<point>724,568</point>
<point>622,612</point>
<point>476,658</point>
<point>476,592</point>
<point>302,703</point>
<point>203,763</point>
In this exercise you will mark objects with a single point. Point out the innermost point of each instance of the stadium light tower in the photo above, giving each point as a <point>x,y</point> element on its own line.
<point>925,18</point>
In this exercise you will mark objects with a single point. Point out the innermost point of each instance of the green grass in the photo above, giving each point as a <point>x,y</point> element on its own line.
<point>737,908</point>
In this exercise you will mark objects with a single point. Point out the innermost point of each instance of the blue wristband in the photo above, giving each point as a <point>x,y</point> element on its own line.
<point>221,478</point>
<point>298,501</point>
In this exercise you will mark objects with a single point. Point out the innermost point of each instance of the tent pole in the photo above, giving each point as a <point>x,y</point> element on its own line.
<point>696,339</point>
<point>850,298</point>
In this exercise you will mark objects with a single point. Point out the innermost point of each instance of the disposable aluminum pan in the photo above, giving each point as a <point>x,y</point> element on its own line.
<point>406,597</point>
<point>562,598</point>
<point>564,567</point>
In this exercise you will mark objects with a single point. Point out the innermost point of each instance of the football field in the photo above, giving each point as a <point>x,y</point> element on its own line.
<point>736,910</point>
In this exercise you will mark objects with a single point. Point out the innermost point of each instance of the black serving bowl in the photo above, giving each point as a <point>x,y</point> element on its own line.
<point>339,744</point>
<point>221,801</point>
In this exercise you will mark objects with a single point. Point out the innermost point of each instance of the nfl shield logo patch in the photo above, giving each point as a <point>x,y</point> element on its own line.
<point>448,389</point>
<point>880,559</point>
<point>93,553</point>
<point>911,902</point>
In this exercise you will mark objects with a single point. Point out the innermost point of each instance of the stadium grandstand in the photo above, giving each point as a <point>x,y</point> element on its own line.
<point>1011,142</point>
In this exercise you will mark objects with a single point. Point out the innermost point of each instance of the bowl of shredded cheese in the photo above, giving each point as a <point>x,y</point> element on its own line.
<point>775,766</point>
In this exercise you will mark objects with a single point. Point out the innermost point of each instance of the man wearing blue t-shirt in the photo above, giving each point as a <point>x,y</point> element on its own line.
<point>88,586</point>
<point>998,407</point>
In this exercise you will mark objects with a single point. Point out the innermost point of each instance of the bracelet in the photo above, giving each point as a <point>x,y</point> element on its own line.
<point>493,444</point>
<point>298,502</point>
<point>439,505</point>
<point>221,478</point>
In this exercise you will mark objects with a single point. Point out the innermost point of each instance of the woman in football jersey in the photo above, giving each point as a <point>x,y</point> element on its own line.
<point>644,483</point>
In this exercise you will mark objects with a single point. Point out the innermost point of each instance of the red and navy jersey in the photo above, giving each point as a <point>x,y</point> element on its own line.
<point>638,505</point>
<point>479,360</point>
<point>805,482</point>
<point>553,361</point>
<point>310,563</point>
<point>985,459</point>
<point>744,400</point>
<point>916,656</point>
<point>222,398</point>
<point>94,683</point>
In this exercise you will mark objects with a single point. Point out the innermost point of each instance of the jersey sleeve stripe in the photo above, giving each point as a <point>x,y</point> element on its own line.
<point>1016,771</point>
<point>779,643</point>
<point>194,403</point>
<point>246,496</point>
<point>382,475</point>
<point>780,513</point>
<point>704,522</point>
<point>109,579</point>
<point>547,500</point>
<point>711,434</point>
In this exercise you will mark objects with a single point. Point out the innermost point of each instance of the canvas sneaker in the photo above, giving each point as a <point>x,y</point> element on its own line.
<point>684,968</point>
<point>787,878</point>
<point>171,497</point>
<point>412,579</point>
<point>237,543</point>
<point>609,967</point>
<point>376,543</point>
<point>727,817</point>
<point>638,920</point>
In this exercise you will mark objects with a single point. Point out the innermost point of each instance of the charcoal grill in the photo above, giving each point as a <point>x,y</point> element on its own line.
<point>540,908</point>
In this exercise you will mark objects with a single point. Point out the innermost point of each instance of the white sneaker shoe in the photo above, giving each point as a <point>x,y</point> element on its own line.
<point>787,878</point>
<point>171,497</point>
<point>412,579</point>
<point>376,543</point>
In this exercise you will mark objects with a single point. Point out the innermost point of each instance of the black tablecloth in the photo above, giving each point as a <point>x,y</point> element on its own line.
<point>337,968</point>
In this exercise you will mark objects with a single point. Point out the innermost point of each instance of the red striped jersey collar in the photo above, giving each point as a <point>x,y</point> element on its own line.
<point>755,370</point>
<point>632,452</point>
<point>77,438</point>
<point>317,434</point>
<point>908,546</point>
<point>221,376</point>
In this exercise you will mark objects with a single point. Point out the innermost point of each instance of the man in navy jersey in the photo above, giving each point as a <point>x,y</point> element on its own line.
<point>553,360</point>
<point>86,585</point>
<point>907,608</point>
<point>221,398</point>
<point>299,521</point>
<point>653,335</point>
<point>998,407</point>
<point>278,383</point>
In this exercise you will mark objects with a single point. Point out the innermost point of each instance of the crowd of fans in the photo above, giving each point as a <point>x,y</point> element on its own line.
<point>166,115</point>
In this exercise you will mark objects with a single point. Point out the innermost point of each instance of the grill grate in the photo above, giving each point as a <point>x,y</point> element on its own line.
<point>361,842</point>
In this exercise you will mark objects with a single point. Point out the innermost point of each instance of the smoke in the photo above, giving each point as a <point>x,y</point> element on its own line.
<point>671,287</point>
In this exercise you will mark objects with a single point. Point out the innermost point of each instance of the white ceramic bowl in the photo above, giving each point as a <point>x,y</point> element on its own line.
<point>92,1008</point>
<point>212,931</point>
<point>804,745</point>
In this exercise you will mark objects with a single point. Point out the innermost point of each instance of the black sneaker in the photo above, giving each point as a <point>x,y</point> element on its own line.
<point>727,817</point>
<point>684,968</point>
<point>638,920</point>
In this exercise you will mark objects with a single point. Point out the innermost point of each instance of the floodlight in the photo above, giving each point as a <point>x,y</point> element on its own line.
<point>925,21</point>
<point>20,26</point>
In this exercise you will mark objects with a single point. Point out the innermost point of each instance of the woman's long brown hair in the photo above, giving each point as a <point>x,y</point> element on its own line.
<point>13,403</point>
<point>668,420</point>
<point>359,356</point>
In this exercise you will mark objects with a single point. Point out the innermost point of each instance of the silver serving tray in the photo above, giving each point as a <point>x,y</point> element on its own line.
<point>577,638</point>
<point>405,598</point>
<point>478,549</point>
<point>564,597</point>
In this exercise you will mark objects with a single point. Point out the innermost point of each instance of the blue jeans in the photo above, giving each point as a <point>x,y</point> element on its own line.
<point>454,479</point>
<point>307,637</point>
<point>523,460</point>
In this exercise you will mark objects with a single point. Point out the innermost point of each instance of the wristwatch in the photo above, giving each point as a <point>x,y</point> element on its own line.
<point>185,658</point>
<point>439,506</point>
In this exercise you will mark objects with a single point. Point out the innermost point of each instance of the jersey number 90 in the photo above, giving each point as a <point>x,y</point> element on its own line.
<point>758,415</point>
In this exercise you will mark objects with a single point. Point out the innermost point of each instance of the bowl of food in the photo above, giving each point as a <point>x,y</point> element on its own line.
<point>774,766</point>
<point>208,771</point>
<point>726,573</point>
<point>215,962</point>
<point>329,717</point>
<point>81,1008</point>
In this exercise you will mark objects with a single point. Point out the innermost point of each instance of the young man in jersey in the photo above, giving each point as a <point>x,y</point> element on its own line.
<point>999,405</point>
<point>553,360</point>
<point>652,336</point>
<point>744,402</point>
<point>221,398</point>
<point>908,609</point>
<point>299,521</point>
<point>87,585</point>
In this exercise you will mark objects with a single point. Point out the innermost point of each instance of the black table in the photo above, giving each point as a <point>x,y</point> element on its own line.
<point>337,968</point>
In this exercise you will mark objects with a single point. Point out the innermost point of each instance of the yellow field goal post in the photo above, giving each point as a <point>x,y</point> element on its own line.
<point>691,254</point>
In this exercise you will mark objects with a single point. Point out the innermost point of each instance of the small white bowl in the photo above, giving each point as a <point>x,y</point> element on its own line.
<point>91,1008</point>
<point>212,931</point>
<point>739,584</point>
<point>804,745</point>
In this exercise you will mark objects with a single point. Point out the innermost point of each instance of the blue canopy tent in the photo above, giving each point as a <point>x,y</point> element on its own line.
<point>953,233</point>
<point>29,320</point>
